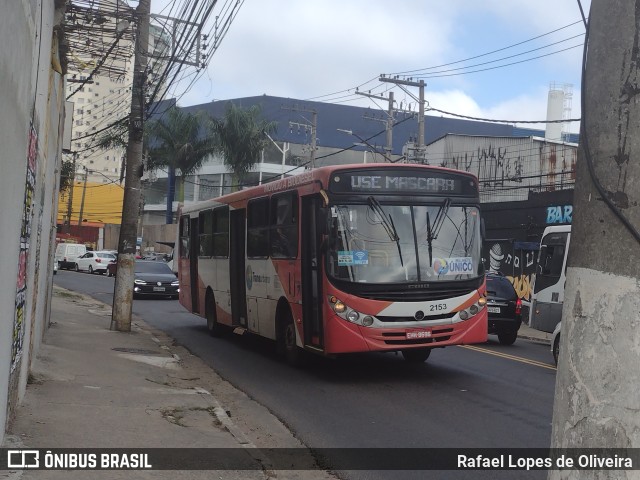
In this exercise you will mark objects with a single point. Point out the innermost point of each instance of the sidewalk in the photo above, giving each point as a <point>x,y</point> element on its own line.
<point>96,388</point>
<point>529,333</point>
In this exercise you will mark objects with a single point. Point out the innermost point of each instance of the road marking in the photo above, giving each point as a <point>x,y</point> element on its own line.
<point>507,356</point>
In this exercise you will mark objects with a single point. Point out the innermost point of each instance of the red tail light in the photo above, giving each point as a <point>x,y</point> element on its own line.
<point>518,306</point>
<point>98,260</point>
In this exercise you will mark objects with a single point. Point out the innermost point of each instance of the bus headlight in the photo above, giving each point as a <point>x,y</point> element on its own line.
<point>339,307</point>
<point>473,309</point>
<point>353,316</point>
<point>349,314</point>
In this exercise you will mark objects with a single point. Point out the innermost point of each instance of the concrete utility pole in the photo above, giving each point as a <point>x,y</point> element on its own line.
<point>389,121</point>
<point>598,379</point>
<point>70,199</point>
<point>313,125</point>
<point>84,191</point>
<point>420,149</point>
<point>123,290</point>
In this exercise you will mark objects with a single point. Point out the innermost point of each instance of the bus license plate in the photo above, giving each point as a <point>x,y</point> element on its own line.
<point>158,289</point>
<point>493,309</point>
<point>416,334</point>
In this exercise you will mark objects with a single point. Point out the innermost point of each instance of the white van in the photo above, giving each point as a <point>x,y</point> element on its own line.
<point>66,254</point>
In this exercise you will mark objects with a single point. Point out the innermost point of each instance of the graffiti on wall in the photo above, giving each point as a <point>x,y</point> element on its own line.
<point>23,257</point>
<point>557,214</point>
<point>494,166</point>
<point>516,264</point>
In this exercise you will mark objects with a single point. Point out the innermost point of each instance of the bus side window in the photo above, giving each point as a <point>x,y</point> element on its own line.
<point>206,233</point>
<point>553,258</point>
<point>258,228</point>
<point>284,226</point>
<point>221,232</point>
<point>184,237</point>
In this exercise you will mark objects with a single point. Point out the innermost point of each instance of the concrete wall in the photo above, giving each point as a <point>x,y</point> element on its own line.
<point>150,235</point>
<point>31,108</point>
<point>508,167</point>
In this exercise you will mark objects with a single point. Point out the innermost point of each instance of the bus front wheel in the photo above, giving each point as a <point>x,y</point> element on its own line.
<point>416,355</point>
<point>287,341</point>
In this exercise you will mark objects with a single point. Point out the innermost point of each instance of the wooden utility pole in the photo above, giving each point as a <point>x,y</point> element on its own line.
<point>123,290</point>
<point>598,379</point>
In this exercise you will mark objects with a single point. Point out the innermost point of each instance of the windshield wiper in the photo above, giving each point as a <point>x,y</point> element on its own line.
<point>432,233</point>
<point>388,225</point>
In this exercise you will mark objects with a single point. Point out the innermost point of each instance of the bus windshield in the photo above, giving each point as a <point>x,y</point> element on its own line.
<point>377,243</point>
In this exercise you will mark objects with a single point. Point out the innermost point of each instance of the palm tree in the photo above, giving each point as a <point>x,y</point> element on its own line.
<point>179,141</point>
<point>241,136</point>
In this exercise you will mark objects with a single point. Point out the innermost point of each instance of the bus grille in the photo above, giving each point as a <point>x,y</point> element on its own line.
<point>416,295</point>
<point>412,319</point>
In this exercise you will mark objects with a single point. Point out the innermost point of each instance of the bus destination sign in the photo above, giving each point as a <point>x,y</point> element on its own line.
<point>402,181</point>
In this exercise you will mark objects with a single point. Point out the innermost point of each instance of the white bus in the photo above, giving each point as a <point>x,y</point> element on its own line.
<point>549,281</point>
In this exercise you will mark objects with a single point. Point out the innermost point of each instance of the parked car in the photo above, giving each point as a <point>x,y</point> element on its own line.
<point>504,309</point>
<point>152,278</point>
<point>94,262</point>
<point>555,343</point>
<point>67,253</point>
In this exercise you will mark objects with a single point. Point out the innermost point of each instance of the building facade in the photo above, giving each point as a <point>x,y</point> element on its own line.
<point>31,129</point>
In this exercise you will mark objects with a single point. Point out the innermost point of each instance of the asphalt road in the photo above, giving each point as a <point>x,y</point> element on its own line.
<point>485,396</point>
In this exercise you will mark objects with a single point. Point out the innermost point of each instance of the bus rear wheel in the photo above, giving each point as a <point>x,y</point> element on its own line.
<point>214,328</point>
<point>416,355</point>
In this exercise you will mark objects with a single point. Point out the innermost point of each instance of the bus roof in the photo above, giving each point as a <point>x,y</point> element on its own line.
<point>556,229</point>
<point>321,175</point>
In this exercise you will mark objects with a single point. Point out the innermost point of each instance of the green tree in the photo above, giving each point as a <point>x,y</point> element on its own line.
<point>66,175</point>
<point>179,141</point>
<point>240,137</point>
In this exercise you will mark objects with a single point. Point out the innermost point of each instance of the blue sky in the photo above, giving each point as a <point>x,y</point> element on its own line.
<point>323,50</point>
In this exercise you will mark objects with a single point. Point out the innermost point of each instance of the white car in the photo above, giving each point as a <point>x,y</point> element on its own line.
<point>94,262</point>
<point>555,343</point>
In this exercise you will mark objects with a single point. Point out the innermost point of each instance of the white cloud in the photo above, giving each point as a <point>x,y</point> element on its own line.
<point>303,49</point>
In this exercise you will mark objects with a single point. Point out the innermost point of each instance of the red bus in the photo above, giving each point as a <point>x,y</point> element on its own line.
<point>339,259</point>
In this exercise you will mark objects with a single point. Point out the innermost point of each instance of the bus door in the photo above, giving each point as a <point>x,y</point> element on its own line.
<point>311,265</point>
<point>194,253</point>
<point>548,288</point>
<point>237,220</point>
